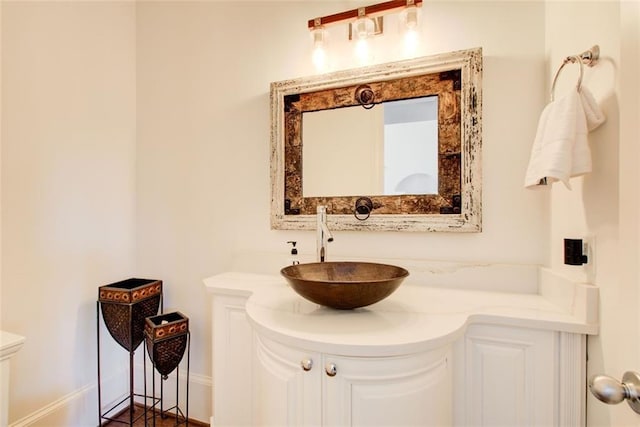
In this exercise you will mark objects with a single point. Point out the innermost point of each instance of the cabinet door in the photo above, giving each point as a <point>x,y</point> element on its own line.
<point>509,377</point>
<point>286,385</point>
<point>413,390</point>
<point>232,349</point>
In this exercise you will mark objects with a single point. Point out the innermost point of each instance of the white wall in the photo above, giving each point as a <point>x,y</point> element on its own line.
<point>603,206</point>
<point>68,194</point>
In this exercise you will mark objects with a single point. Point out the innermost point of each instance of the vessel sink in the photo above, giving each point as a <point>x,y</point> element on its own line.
<point>344,284</point>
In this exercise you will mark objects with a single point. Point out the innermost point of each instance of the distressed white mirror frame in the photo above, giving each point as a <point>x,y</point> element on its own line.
<point>470,217</point>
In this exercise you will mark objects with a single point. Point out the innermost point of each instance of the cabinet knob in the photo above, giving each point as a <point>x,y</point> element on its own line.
<point>611,391</point>
<point>306,364</point>
<point>330,369</point>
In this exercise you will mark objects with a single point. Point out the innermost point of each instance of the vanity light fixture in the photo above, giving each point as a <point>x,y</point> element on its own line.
<point>363,23</point>
<point>371,12</point>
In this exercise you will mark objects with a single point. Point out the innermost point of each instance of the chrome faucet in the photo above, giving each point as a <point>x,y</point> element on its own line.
<point>323,234</point>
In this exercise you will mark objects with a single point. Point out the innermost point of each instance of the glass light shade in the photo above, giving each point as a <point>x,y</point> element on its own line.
<point>409,17</point>
<point>319,35</point>
<point>363,28</point>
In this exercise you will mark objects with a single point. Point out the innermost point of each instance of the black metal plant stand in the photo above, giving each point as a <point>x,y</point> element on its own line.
<point>167,337</point>
<point>124,306</point>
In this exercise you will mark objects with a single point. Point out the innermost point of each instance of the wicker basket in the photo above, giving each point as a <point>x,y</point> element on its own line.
<point>125,305</point>
<point>166,336</point>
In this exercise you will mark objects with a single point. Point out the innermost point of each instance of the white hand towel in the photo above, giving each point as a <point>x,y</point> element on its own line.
<point>552,149</point>
<point>590,119</point>
<point>561,149</point>
<point>592,110</point>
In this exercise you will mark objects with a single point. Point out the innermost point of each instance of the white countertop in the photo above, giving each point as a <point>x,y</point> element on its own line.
<point>414,318</point>
<point>10,344</point>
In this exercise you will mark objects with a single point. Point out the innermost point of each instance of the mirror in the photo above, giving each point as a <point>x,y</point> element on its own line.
<point>407,135</point>
<point>389,149</point>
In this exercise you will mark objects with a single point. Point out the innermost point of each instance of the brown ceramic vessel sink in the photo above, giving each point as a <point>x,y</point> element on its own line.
<point>344,285</point>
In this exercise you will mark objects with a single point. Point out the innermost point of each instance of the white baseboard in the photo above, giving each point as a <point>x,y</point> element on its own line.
<point>47,414</point>
<point>80,407</point>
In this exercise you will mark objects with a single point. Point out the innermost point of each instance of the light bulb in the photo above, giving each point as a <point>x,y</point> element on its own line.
<point>362,51</point>
<point>410,43</point>
<point>319,58</point>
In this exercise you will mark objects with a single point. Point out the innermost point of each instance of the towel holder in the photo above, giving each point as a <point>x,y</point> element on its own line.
<point>588,57</point>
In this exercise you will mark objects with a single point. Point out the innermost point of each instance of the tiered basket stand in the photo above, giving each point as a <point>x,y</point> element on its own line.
<point>124,306</point>
<point>167,337</point>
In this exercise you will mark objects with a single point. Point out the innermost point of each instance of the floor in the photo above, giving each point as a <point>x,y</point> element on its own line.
<point>170,421</point>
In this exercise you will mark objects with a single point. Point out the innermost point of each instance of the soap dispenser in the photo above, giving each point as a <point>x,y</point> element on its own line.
<point>294,254</point>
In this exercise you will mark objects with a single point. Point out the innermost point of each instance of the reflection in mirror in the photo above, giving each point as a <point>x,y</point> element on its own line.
<point>389,149</point>
<point>407,135</point>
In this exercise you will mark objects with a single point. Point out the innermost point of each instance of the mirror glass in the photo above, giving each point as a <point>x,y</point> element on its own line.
<point>389,149</point>
<point>406,135</point>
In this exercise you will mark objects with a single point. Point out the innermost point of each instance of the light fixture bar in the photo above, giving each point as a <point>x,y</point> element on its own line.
<point>370,11</point>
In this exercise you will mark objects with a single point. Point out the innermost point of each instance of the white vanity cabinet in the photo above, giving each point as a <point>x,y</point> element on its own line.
<point>514,376</point>
<point>424,356</point>
<point>285,393</point>
<point>232,354</point>
<point>295,387</point>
